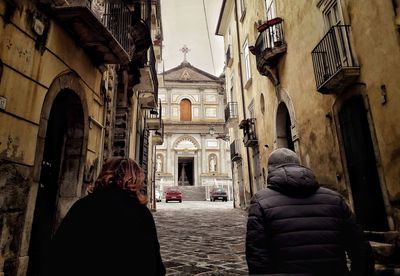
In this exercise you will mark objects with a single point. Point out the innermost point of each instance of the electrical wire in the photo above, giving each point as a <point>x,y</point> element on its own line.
<point>208,35</point>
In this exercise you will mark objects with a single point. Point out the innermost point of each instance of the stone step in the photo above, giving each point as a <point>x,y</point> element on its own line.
<point>193,193</point>
<point>381,270</point>
<point>383,249</point>
<point>392,237</point>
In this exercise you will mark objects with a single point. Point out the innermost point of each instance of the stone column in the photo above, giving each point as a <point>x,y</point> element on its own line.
<point>203,158</point>
<point>201,96</point>
<point>168,97</point>
<point>169,157</point>
<point>200,166</point>
<point>221,162</point>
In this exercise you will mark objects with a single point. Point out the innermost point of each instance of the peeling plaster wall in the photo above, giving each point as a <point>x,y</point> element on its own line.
<point>375,41</point>
<point>28,74</point>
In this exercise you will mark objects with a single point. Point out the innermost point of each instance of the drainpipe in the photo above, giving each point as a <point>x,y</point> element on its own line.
<point>243,98</point>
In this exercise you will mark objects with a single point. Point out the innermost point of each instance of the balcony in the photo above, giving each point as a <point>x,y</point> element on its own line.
<point>100,30</point>
<point>153,118</point>
<point>229,56</point>
<point>157,138</point>
<point>231,114</point>
<point>249,132</point>
<point>235,151</point>
<point>270,46</point>
<point>148,87</point>
<point>333,60</point>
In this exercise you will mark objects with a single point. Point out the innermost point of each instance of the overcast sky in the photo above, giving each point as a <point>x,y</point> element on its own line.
<point>184,22</point>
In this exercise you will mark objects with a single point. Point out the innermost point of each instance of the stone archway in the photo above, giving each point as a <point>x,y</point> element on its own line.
<point>283,128</point>
<point>59,164</point>
<point>285,123</point>
<point>186,161</point>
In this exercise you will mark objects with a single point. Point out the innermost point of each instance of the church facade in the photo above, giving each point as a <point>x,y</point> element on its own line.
<point>195,154</point>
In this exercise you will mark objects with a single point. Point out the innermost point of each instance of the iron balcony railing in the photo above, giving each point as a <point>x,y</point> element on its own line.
<point>158,135</point>
<point>234,149</point>
<point>153,117</point>
<point>332,54</point>
<point>271,36</point>
<point>116,17</point>
<point>231,111</point>
<point>249,132</point>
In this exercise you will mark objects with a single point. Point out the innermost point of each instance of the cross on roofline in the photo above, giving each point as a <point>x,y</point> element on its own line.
<point>185,50</point>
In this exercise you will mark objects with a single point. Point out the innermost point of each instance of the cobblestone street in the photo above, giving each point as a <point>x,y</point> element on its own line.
<point>201,238</point>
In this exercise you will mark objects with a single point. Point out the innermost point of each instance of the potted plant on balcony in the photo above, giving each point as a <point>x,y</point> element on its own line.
<point>157,40</point>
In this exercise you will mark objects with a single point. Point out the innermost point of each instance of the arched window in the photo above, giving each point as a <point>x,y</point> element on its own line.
<point>186,110</point>
<point>284,128</point>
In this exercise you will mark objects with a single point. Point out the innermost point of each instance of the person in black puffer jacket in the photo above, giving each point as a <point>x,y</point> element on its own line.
<point>296,227</point>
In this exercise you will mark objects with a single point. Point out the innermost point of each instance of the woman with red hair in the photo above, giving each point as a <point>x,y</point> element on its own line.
<point>110,231</point>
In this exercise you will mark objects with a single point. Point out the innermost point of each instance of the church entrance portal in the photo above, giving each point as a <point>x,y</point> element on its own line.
<point>185,171</point>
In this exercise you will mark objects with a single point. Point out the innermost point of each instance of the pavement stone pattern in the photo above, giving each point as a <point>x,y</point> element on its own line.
<point>201,238</point>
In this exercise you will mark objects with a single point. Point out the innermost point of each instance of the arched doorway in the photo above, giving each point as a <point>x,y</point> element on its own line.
<point>59,174</point>
<point>185,110</point>
<point>361,165</point>
<point>283,128</point>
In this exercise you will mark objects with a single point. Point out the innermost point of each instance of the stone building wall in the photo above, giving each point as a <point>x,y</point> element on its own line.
<point>290,92</point>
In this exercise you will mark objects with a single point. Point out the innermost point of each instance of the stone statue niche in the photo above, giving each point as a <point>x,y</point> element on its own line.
<point>159,163</point>
<point>212,163</point>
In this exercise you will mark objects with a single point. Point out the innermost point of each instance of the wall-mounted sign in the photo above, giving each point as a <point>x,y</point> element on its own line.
<point>3,102</point>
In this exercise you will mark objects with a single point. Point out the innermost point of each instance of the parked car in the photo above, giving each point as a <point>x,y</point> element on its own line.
<point>218,194</point>
<point>173,194</point>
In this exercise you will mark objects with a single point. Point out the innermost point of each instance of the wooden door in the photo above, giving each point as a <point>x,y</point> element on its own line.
<point>186,110</point>
<point>361,164</point>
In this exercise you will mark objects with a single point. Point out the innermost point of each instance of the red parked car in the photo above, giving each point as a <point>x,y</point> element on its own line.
<point>173,194</point>
<point>218,194</point>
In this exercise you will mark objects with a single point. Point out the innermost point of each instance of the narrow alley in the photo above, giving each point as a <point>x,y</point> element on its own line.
<point>201,238</point>
<point>187,100</point>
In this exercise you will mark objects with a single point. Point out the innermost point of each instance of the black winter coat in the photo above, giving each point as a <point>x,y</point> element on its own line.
<point>107,233</point>
<point>296,227</point>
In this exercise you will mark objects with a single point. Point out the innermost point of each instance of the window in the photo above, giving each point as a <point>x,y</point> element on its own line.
<point>333,16</point>
<point>262,103</point>
<point>229,37</point>
<point>232,88</point>
<point>186,110</point>
<point>246,56</point>
<point>332,12</point>
<point>229,51</point>
<point>251,109</point>
<point>270,9</point>
<point>242,9</point>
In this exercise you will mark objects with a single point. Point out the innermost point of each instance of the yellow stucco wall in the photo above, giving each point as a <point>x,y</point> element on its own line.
<point>303,29</point>
<point>377,45</point>
<point>27,76</point>
<point>375,42</point>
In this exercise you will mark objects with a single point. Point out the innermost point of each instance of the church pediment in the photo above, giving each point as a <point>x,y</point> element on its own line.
<point>186,72</point>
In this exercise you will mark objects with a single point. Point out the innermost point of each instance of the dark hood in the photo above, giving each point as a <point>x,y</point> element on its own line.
<point>292,180</point>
